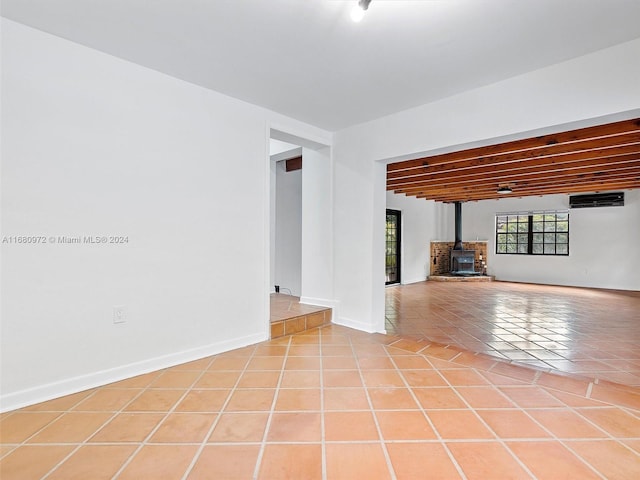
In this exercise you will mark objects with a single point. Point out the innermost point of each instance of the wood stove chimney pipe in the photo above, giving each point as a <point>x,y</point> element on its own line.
<point>458,230</point>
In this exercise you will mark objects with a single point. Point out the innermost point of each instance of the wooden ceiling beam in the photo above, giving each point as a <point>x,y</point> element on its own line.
<point>600,158</point>
<point>514,178</point>
<point>492,186</point>
<point>608,155</point>
<point>559,182</point>
<point>563,139</point>
<point>525,195</point>
<point>583,188</point>
<point>523,157</point>
<point>628,161</point>
<point>293,164</point>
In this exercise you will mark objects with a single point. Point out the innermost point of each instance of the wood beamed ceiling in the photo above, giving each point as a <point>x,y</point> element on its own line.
<point>589,160</point>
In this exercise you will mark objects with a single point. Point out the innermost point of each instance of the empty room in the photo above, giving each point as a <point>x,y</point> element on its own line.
<point>320,239</point>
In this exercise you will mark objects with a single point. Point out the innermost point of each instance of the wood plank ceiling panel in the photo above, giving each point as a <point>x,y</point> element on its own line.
<point>588,160</point>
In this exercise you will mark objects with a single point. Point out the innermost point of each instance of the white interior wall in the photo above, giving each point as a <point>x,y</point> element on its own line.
<point>272,225</point>
<point>355,232</point>
<point>288,232</point>
<point>603,243</point>
<point>317,227</point>
<point>278,150</point>
<point>599,87</point>
<point>418,231</point>
<point>591,263</point>
<point>93,145</point>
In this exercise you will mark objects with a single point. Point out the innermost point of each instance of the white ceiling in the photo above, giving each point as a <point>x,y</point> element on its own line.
<point>308,60</point>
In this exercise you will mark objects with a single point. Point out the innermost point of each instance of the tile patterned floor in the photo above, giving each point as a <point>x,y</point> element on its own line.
<point>587,332</point>
<point>285,306</point>
<point>333,403</point>
<point>289,316</point>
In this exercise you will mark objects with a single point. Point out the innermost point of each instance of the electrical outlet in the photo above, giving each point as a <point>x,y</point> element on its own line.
<point>119,314</point>
<point>277,288</point>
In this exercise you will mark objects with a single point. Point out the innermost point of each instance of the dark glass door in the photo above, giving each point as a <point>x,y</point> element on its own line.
<point>392,238</point>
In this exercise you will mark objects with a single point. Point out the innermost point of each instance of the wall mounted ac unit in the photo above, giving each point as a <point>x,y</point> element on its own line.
<point>612,199</point>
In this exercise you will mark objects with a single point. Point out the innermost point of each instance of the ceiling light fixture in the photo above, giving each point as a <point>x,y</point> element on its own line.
<point>504,190</point>
<point>359,10</point>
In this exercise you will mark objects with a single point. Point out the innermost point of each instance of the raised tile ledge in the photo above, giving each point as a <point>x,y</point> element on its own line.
<point>300,323</point>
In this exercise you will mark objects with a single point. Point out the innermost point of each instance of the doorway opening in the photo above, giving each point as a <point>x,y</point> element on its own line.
<point>300,287</point>
<point>393,240</point>
<point>286,217</point>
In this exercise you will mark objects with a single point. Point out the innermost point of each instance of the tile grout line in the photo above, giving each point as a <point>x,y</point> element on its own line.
<point>516,363</point>
<point>537,372</point>
<point>84,442</point>
<point>553,436</point>
<point>589,390</point>
<point>113,416</point>
<point>578,410</point>
<point>550,323</point>
<point>562,440</point>
<point>441,441</point>
<point>171,410</point>
<point>486,425</point>
<point>616,439</point>
<point>267,427</point>
<point>204,442</point>
<point>61,413</point>
<point>323,446</point>
<point>385,452</point>
<point>144,441</point>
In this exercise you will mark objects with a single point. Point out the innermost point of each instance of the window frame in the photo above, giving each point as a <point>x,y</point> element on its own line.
<point>529,229</point>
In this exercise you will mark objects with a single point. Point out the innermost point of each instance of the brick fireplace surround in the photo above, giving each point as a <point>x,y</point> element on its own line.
<point>441,255</point>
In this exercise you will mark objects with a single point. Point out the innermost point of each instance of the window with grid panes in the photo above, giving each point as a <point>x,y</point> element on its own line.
<point>532,233</point>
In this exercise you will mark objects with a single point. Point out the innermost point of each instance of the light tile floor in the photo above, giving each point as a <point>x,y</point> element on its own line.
<point>588,332</point>
<point>332,403</point>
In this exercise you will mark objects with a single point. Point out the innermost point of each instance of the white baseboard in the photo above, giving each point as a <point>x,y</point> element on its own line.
<point>320,302</point>
<point>364,327</point>
<point>42,393</point>
<point>413,280</point>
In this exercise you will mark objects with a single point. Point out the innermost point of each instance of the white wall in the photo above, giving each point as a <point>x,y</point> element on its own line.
<point>603,243</point>
<point>598,237</point>
<point>272,225</point>
<point>288,234</point>
<point>418,231</point>
<point>278,151</point>
<point>93,145</point>
<point>317,227</point>
<point>358,233</point>
<point>303,239</point>
<point>603,84</point>
<point>277,147</point>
